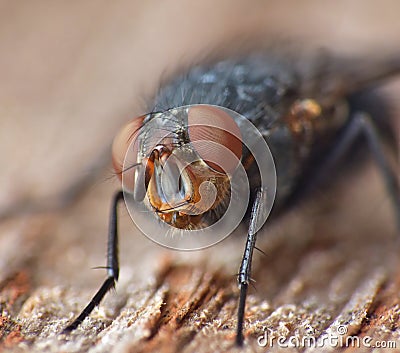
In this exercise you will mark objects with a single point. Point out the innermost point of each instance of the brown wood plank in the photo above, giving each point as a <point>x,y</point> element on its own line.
<point>65,90</point>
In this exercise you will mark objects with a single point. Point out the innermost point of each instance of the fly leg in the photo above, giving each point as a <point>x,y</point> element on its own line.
<point>362,125</point>
<point>245,267</point>
<point>390,178</point>
<point>112,265</point>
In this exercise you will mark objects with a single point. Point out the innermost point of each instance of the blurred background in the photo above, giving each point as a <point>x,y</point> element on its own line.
<point>71,74</point>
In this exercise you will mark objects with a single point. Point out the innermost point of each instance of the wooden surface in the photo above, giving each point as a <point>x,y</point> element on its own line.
<point>71,75</point>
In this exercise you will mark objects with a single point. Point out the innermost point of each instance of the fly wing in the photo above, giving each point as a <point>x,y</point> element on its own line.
<point>329,78</point>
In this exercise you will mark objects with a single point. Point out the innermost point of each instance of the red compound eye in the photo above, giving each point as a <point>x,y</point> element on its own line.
<point>122,159</point>
<point>211,132</point>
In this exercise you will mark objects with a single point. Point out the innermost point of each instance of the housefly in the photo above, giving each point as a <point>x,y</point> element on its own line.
<point>178,160</point>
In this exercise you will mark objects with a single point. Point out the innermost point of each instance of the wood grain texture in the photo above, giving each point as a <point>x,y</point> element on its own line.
<point>72,74</point>
<point>320,272</point>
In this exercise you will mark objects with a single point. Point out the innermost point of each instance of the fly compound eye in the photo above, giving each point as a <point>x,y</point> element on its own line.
<point>211,124</point>
<point>124,152</point>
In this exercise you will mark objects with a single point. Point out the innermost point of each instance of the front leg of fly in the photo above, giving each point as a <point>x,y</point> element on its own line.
<point>245,267</point>
<point>112,265</point>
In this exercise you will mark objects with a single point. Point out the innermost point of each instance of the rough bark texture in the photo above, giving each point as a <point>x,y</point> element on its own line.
<point>319,273</point>
<point>71,75</point>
